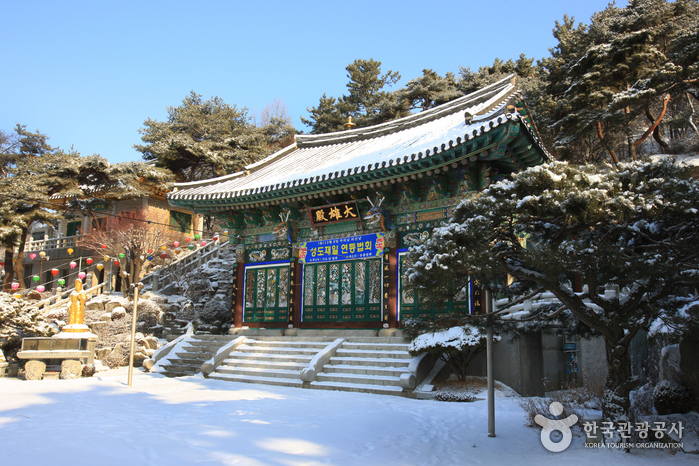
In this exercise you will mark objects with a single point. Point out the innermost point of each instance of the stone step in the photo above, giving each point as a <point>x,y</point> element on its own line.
<point>377,340</point>
<point>364,370</point>
<point>360,388</point>
<point>181,368</point>
<point>375,346</point>
<point>259,372</point>
<point>286,343</point>
<point>253,363</point>
<point>358,379</point>
<point>234,356</point>
<point>257,379</point>
<point>217,338</point>
<point>355,353</point>
<point>382,362</point>
<point>255,349</point>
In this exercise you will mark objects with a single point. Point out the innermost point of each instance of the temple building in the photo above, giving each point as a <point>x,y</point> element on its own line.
<point>321,227</point>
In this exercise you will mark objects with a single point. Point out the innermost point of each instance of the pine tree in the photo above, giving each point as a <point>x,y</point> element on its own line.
<point>202,139</point>
<point>631,237</point>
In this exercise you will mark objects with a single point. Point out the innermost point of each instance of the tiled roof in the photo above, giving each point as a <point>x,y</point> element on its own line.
<point>313,158</point>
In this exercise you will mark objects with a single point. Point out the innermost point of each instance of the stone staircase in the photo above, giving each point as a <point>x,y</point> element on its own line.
<point>361,364</point>
<point>196,350</point>
<point>371,365</point>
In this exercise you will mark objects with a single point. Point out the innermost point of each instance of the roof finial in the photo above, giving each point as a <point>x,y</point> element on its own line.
<point>349,124</point>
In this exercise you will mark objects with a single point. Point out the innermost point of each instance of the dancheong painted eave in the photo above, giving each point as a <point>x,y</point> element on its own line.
<point>463,129</point>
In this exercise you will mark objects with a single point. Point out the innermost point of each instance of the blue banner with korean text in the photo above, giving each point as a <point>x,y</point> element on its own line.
<point>353,247</point>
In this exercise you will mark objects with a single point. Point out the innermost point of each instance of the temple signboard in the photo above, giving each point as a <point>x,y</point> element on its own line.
<point>353,247</point>
<point>334,213</point>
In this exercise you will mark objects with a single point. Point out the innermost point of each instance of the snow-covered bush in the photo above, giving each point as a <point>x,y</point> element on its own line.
<point>457,346</point>
<point>19,319</point>
<point>671,397</point>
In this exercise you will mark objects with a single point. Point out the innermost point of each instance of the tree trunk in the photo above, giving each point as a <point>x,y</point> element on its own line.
<point>9,269</point>
<point>656,132</point>
<point>19,266</point>
<point>620,382</point>
<point>612,154</point>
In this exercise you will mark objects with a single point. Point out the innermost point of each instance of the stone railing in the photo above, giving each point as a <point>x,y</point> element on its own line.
<point>62,297</point>
<point>165,277</point>
<point>53,243</point>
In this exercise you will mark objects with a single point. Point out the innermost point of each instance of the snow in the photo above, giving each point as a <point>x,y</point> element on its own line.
<point>100,420</point>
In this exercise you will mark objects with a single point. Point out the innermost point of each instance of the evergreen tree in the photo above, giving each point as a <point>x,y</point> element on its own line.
<point>202,139</point>
<point>428,91</point>
<point>367,102</point>
<point>37,171</point>
<point>631,237</point>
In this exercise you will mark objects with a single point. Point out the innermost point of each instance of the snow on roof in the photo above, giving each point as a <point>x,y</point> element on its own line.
<point>329,156</point>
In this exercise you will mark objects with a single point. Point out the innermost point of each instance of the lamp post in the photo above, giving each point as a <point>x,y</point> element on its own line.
<point>136,289</point>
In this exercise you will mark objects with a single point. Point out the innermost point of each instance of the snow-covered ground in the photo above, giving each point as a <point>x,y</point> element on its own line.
<point>161,421</point>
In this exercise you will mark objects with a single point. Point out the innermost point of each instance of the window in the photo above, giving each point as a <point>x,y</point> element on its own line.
<point>73,228</point>
<point>180,221</point>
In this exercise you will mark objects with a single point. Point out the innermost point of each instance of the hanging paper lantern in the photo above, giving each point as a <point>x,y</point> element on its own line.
<point>72,264</point>
<point>54,272</point>
<point>42,254</point>
<point>100,266</point>
<point>196,237</point>
<point>17,296</point>
<point>121,255</point>
<point>225,232</point>
<point>150,258</point>
<point>189,239</point>
<point>150,251</point>
<point>116,263</point>
<point>163,254</point>
<point>203,243</point>
<point>2,264</point>
<point>15,285</point>
<point>81,275</point>
<point>36,278</point>
<point>32,256</point>
<point>176,243</point>
<point>191,246</point>
<point>215,238</point>
<point>40,288</point>
<point>88,261</point>
<point>61,282</point>
<point>104,246</point>
<point>70,251</point>
<point>178,250</point>
<point>106,258</point>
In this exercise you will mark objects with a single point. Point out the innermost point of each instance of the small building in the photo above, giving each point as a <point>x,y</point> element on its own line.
<point>321,227</point>
<point>61,245</point>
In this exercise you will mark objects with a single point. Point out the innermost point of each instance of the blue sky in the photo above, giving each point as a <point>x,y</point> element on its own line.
<point>89,73</point>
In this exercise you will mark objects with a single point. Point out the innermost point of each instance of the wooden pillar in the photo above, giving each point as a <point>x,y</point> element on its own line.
<point>392,288</point>
<point>239,296</point>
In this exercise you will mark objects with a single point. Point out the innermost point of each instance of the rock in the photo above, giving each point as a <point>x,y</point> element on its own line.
<point>94,306</point>
<point>118,313</point>
<point>150,352</point>
<point>101,353</point>
<point>89,370</point>
<point>156,298</point>
<point>34,370</point>
<point>138,359</point>
<point>148,364</point>
<point>670,363</point>
<point>71,369</point>
<point>110,306</point>
<point>149,342</point>
<point>106,317</point>
<point>35,295</point>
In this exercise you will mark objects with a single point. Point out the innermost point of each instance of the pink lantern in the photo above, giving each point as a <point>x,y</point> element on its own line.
<point>40,288</point>
<point>203,243</point>
<point>176,243</point>
<point>89,261</point>
<point>73,264</point>
<point>81,275</point>
<point>32,256</point>
<point>15,286</point>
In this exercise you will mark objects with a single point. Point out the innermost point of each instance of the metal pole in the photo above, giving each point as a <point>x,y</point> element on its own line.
<point>491,376</point>
<point>133,328</point>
